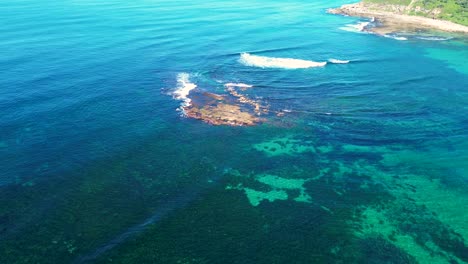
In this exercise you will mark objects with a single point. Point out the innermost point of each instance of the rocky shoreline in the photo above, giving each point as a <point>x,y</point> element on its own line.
<point>233,109</point>
<point>392,19</point>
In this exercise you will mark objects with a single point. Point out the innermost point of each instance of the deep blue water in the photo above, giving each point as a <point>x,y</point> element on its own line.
<point>92,144</point>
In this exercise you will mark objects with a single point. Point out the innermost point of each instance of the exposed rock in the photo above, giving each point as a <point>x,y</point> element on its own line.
<point>394,18</point>
<point>233,108</point>
<point>222,114</point>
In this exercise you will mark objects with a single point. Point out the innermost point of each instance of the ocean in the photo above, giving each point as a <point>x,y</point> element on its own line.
<point>358,155</point>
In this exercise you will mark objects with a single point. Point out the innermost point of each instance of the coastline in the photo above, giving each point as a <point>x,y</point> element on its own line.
<point>393,21</point>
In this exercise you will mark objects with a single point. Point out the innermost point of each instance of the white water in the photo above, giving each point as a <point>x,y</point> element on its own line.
<point>433,38</point>
<point>395,37</point>
<point>359,27</point>
<point>184,86</point>
<point>335,61</point>
<point>240,85</point>
<point>272,62</point>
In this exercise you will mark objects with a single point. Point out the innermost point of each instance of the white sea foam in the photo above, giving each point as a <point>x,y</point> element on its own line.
<point>184,86</point>
<point>395,37</point>
<point>433,38</point>
<point>359,27</point>
<point>240,85</point>
<point>335,61</point>
<point>271,62</point>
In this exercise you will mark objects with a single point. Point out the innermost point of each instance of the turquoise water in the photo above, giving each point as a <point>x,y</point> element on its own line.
<point>368,164</point>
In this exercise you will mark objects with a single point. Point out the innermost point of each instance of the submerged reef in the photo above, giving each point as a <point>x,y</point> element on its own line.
<point>377,250</point>
<point>306,202</point>
<point>284,146</point>
<point>272,188</point>
<point>418,219</point>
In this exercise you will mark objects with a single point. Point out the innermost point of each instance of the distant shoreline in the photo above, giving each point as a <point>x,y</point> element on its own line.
<point>393,22</point>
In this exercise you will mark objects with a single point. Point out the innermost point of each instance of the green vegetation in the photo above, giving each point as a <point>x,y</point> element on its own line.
<point>390,2</point>
<point>451,10</point>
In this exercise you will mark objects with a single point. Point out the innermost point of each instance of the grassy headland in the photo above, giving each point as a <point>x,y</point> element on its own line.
<point>410,15</point>
<point>451,10</point>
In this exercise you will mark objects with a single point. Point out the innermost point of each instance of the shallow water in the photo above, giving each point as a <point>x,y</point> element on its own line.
<point>369,162</point>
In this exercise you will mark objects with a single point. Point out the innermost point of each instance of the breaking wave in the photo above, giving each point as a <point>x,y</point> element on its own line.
<point>240,85</point>
<point>359,27</point>
<point>395,37</point>
<point>335,61</point>
<point>271,62</point>
<point>184,86</point>
<point>433,38</point>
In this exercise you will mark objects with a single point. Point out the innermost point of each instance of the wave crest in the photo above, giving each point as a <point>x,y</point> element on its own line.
<point>283,63</point>
<point>395,37</point>
<point>433,38</point>
<point>240,85</point>
<point>335,61</point>
<point>358,27</point>
<point>184,86</point>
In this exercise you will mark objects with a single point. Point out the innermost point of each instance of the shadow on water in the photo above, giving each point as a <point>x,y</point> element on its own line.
<point>83,213</point>
<point>179,201</point>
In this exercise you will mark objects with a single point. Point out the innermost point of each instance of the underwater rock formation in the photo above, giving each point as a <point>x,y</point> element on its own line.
<point>284,146</point>
<point>376,249</point>
<point>277,188</point>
